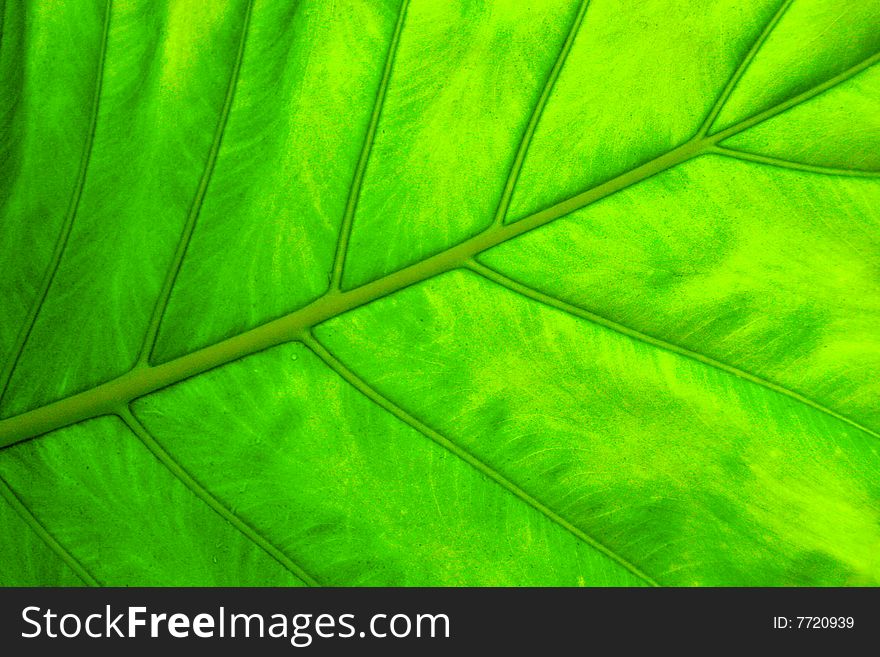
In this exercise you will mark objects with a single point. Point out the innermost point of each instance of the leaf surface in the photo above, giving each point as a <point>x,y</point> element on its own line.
<point>418,293</point>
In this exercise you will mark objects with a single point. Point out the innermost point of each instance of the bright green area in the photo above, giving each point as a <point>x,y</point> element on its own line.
<point>267,231</point>
<point>637,83</point>
<point>158,104</point>
<point>124,517</point>
<point>466,78</point>
<point>689,472</point>
<point>815,40</point>
<point>359,497</point>
<point>674,383</point>
<point>782,283</point>
<point>47,75</point>
<point>32,562</point>
<point>839,129</point>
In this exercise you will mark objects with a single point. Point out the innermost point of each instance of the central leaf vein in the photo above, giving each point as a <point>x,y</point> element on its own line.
<point>105,398</point>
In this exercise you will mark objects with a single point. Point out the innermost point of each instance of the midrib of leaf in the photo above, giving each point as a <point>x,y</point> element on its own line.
<point>51,542</point>
<point>181,473</point>
<point>380,400</point>
<point>67,224</point>
<point>357,181</point>
<point>106,398</point>
<point>199,199</point>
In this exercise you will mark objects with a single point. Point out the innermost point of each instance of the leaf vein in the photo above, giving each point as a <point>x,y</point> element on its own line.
<point>40,530</point>
<point>743,67</point>
<point>202,493</point>
<point>199,199</point>
<point>376,397</point>
<point>67,226</point>
<point>535,295</point>
<point>105,397</point>
<point>367,148</point>
<point>794,101</point>
<point>534,119</point>
<point>746,156</point>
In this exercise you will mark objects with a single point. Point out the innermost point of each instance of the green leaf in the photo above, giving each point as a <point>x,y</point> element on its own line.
<point>440,293</point>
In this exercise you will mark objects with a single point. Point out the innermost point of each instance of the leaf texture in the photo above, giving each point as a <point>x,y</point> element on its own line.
<point>440,293</point>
